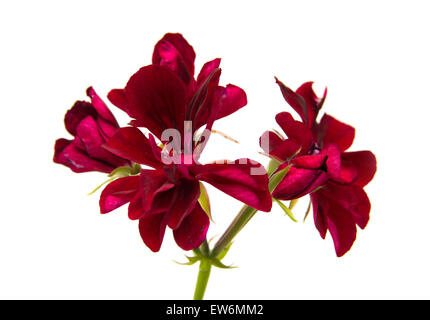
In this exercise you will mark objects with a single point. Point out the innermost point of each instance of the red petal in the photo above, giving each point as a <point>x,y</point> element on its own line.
<point>364,164</point>
<point>156,98</point>
<point>118,193</point>
<point>79,111</point>
<point>300,181</point>
<point>207,69</point>
<point>60,145</point>
<point>201,109</point>
<point>320,207</point>
<point>152,228</point>
<point>342,228</point>
<point>295,130</point>
<point>269,140</point>
<point>135,208</point>
<point>90,135</point>
<point>352,198</point>
<point>331,130</point>
<point>154,186</point>
<point>174,52</point>
<point>118,98</point>
<point>130,143</point>
<point>184,199</point>
<point>192,231</point>
<point>101,108</point>
<point>244,180</point>
<point>313,103</point>
<point>229,100</point>
<point>296,101</point>
<point>67,153</point>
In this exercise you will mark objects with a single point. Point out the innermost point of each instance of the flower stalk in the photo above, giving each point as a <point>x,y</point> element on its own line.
<point>244,216</point>
<point>202,279</point>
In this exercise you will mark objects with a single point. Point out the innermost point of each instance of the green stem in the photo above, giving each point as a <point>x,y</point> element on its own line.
<point>243,217</point>
<point>202,279</point>
<point>245,214</point>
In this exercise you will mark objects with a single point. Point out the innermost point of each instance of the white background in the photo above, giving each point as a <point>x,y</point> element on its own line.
<point>372,55</point>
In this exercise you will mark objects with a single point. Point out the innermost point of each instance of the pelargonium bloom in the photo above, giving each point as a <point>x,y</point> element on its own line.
<point>167,195</point>
<point>91,124</point>
<point>165,94</point>
<point>321,166</point>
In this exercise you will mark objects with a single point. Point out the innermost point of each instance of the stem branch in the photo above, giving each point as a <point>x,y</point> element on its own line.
<point>202,279</point>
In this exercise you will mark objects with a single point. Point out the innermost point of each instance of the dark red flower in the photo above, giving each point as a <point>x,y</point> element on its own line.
<point>167,196</point>
<point>165,94</point>
<point>321,167</point>
<point>91,124</point>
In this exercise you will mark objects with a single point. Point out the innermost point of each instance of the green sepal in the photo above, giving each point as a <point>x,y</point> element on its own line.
<point>272,166</point>
<point>277,177</point>
<point>224,252</point>
<point>286,210</point>
<point>191,261</point>
<point>293,204</point>
<point>204,201</point>
<point>217,263</point>
<point>307,210</point>
<point>101,185</point>
<point>119,172</point>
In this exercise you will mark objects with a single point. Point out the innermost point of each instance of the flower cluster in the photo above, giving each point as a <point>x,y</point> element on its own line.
<point>161,97</point>
<point>178,110</point>
<point>321,166</point>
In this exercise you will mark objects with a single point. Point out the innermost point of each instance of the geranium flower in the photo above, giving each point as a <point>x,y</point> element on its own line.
<point>91,124</point>
<point>321,167</point>
<point>165,94</point>
<point>168,195</point>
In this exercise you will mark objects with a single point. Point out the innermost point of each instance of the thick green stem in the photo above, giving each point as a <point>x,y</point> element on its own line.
<point>202,279</point>
<point>245,214</point>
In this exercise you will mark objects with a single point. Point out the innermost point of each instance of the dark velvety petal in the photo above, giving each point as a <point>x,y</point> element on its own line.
<point>331,151</point>
<point>309,162</point>
<point>152,228</point>
<point>201,109</point>
<point>118,98</point>
<point>229,100</point>
<point>118,193</point>
<point>184,199</point>
<point>295,130</point>
<point>135,208</point>
<point>286,150</point>
<point>153,184</point>
<point>90,135</point>
<point>331,130</point>
<point>79,111</point>
<point>101,107</point>
<point>363,163</point>
<point>60,145</point>
<point>341,226</point>
<point>192,231</point>
<point>300,181</point>
<point>207,69</point>
<point>320,207</point>
<point>352,198</point>
<point>313,103</point>
<point>77,159</point>
<point>175,53</point>
<point>296,101</point>
<point>269,140</point>
<point>329,214</point>
<point>244,180</point>
<point>130,143</point>
<point>156,98</point>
